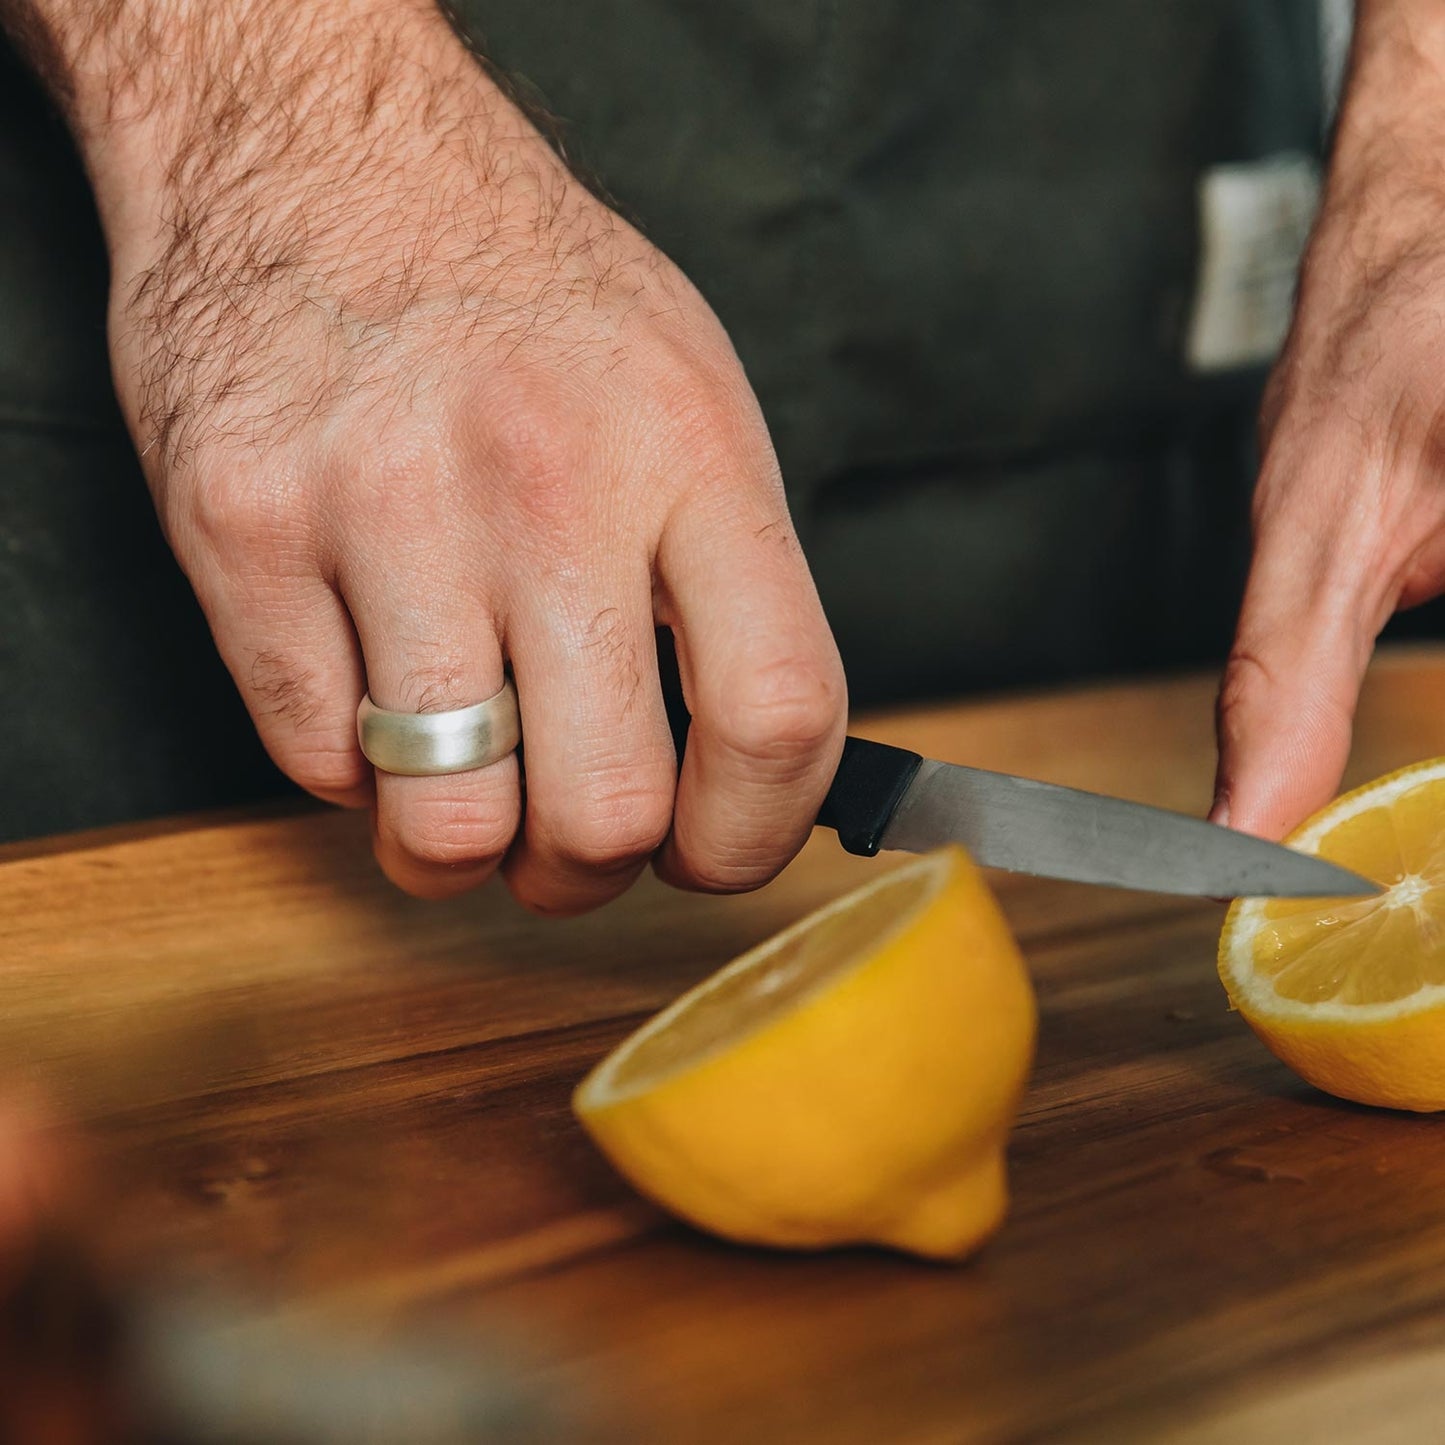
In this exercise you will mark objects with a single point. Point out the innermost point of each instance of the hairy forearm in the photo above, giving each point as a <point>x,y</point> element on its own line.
<point>1393,118</point>
<point>194,96</point>
<point>109,60</point>
<point>279,176</point>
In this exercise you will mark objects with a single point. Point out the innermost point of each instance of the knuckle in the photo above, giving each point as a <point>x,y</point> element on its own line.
<point>284,691</point>
<point>718,875</point>
<point>400,477</point>
<point>309,742</point>
<point>786,712</point>
<point>697,405</point>
<point>238,515</point>
<point>710,417</point>
<point>613,830</point>
<point>1245,672</point>
<point>326,769</point>
<point>453,832</point>
<point>1245,677</point>
<point>439,686</point>
<point>536,439</point>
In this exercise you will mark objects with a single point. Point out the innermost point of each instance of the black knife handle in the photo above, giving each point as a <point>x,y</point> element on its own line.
<point>869,784</point>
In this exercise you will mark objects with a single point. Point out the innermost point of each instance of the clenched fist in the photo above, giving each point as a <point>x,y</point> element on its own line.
<point>414,407</point>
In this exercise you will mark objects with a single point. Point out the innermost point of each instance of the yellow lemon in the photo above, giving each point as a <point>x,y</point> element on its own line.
<point>851,1080</point>
<point>1350,993</point>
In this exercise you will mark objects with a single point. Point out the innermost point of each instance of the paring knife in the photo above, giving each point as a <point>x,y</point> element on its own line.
<point>887,797</point>
<point>884,797</point>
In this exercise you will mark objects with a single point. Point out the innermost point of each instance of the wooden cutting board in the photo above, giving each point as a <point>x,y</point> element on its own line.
<point>291,1079</point>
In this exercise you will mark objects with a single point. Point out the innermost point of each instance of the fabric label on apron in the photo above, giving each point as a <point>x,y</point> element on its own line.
<point>1255,218</point>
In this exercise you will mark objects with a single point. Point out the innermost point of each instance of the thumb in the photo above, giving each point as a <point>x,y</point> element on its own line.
<point>1287,702</point>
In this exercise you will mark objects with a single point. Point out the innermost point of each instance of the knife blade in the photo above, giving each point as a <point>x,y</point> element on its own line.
<point>887,797</point>
<point>884,797</point>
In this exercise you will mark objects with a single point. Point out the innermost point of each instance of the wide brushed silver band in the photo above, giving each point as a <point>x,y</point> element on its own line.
<point>434,744</point>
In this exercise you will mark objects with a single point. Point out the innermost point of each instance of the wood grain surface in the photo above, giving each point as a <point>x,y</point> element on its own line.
<point>351,1107</point>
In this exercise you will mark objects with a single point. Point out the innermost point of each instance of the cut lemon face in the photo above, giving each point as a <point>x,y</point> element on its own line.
<point>1350,993</point>
<point>851,1080</point>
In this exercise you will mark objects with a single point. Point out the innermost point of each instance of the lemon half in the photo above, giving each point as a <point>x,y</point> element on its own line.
<point>851,1080</point>
<point>1350,993</point>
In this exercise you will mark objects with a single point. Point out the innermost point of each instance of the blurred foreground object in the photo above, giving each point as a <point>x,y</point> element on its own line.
<point>58,1383</point>
<point>82,1366</point>
<point>207,1375</point>
<point>86,1359</point>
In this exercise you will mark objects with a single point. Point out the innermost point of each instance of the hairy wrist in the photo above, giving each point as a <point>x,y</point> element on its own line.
<point>111,61</point>
<point>1391,131</point>
<point>281,182</point>
<point>203,96</point>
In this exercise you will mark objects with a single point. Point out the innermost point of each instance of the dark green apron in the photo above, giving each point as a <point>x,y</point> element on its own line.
<point>955,243</point>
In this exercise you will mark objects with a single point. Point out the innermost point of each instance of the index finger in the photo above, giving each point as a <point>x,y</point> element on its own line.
<point>762,678</point>
<point>1313,605</point>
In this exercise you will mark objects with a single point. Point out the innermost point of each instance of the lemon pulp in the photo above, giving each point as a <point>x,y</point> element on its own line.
<point>1351,992</point>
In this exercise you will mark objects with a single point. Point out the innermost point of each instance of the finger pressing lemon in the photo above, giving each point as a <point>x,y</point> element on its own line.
<point>852,1080</point>
<point>1350,993</point>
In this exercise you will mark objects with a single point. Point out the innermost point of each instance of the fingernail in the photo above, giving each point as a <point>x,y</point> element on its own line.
<point>1219,812</point>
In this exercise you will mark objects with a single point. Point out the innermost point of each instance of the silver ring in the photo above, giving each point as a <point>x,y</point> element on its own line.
<point>433,744</point>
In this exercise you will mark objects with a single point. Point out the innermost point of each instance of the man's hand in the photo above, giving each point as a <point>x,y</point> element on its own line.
<point>1349,513</point>
<point>414,406</point>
